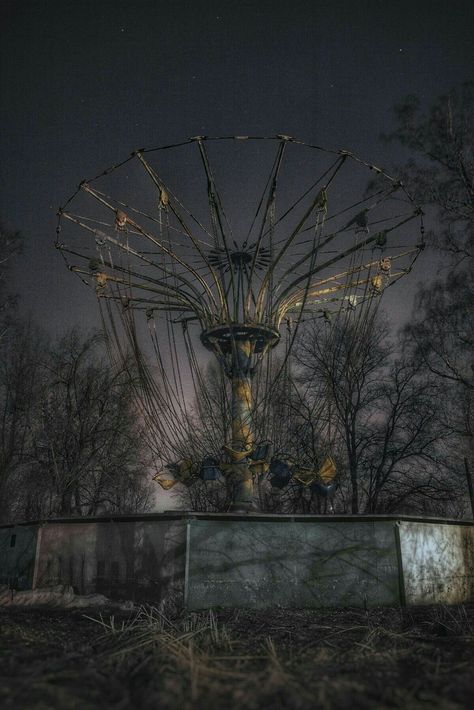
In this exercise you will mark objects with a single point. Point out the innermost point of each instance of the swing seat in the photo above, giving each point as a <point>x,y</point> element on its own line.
<point>304,475</point>
<point>323,489</point>
<point>280,468</point>
<point>261,451</point>
<point>281,473</point>
<point>209,470</point>
<point>279,481</point>
<point>184,471</point>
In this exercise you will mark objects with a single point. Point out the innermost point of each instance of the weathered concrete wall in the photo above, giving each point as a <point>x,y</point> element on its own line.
<point>438,562</point>
<point>17,556</point>
<point>126,560</point>
<point>247,561</point>
<point>291,563</point>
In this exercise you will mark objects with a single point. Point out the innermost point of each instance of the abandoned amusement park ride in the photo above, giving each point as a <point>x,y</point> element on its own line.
<point>240,240</point>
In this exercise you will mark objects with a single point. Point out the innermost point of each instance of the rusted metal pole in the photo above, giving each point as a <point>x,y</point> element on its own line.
<point>242,438</point>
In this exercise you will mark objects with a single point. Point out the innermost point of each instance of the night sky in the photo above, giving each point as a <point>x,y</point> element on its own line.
<point>85,83</point>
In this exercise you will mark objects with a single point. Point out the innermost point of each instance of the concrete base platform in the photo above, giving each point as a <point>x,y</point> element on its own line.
<point>252,561</point>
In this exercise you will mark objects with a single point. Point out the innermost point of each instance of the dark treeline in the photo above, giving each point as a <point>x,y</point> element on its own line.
<point>394,410</point>
<point>70,438</point>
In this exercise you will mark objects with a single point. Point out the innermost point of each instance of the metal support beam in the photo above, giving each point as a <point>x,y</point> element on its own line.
<point>242,439</point>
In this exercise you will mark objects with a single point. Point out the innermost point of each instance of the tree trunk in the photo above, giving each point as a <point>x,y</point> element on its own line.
<point>355,491</point>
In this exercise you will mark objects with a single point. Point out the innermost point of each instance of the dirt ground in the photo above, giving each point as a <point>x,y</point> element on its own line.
<point>157,658</point>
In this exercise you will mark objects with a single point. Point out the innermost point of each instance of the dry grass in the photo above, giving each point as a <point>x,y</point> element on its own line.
<point>378,658</point>
<point>159,657</point>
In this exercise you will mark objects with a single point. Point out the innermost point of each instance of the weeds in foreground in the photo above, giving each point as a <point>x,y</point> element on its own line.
<point>257,659</point>
<point>294,659</point>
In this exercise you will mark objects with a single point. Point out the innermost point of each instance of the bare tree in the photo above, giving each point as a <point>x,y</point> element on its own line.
<point>380,413</point>
<point>441,338</point>
<point>440,334</point>
<point>71,440</point>
<point>21,386</point>
<point>441,170</point>
<point>401,458</point>
<point>442,328</point>
<point>342,369</point>
<point>10,245</point>
<point>88,441</point>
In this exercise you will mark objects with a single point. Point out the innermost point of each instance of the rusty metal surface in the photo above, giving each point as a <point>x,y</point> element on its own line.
<point>17,556</point>
<point>248,560</point>
<point>438,562</point>
<point>127,560</point>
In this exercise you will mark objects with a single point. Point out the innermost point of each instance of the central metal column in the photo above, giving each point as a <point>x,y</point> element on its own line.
<point>236,346</point>
<point>242,439</point>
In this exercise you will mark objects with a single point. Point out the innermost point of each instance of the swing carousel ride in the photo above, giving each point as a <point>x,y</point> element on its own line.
<point>239,240</point>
